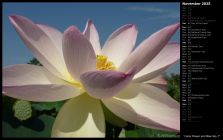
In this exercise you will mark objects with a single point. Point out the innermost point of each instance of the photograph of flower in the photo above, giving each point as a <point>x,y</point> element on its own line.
<point>91,70</point>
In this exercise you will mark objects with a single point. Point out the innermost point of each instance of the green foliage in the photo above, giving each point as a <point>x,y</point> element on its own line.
<point>7,102</point>
<point>37,126</point>
<point>22,110</point>
<point>34,61</point>
<point>112,131</point>
<point>149,133</point>
<point>41,106</point>
<point>173,86</point>
<point>112,118</point>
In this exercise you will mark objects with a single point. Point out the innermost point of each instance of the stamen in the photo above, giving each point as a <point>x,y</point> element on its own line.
<point>103,63</point>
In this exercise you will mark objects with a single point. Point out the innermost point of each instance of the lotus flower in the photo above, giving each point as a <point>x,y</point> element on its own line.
<point>128,82</point>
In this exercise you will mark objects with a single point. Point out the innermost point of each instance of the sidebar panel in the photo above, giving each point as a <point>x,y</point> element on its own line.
<point>200,103</point>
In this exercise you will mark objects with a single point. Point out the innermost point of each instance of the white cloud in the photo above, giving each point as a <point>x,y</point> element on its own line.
<point>166,16</point>
<point>146,9</point>
<point>161,13</point>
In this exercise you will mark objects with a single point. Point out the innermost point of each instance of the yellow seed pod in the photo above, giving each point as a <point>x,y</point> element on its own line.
<point>22,110</point>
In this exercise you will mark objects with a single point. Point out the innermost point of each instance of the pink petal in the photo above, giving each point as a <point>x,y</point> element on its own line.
<point>80,117</point>
<point>120,43</point>
<point>91,34</point>
<point>78,52</point>
<point>35,83</point>
<point>105,84</point>
<point>147,106</point>
<point>149,48</point>
<point>40,44</point>
<point>168,56</point>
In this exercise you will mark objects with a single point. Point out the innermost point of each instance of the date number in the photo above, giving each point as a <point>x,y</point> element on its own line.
<point>206,3</point>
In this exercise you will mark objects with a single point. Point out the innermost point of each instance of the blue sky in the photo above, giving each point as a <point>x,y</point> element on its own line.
<point>107,17</point>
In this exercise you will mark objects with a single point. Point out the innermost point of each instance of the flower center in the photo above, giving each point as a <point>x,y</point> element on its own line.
<point>102,63</point>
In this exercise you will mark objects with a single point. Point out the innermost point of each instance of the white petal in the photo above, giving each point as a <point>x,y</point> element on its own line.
<point>40,44</point>
<point>147,106</point>
<point>149,48</point>
<point>35,83</point>
<point>168,56</point>
<point>25,74</point>
<point>91,34</point>
<point>78,53</point>
<point>159,82</point>
<point>41,93</point>
<point>80,117</point>
<point>120,43</point>
<point>55,35</point>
